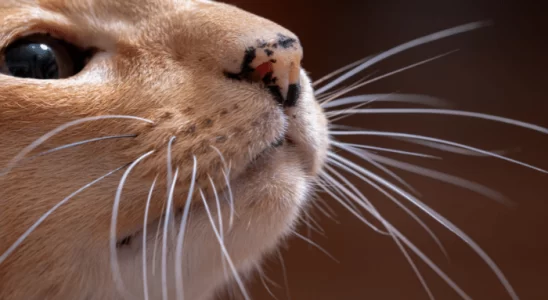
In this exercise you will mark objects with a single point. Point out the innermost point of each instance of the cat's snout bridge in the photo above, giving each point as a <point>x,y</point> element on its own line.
<point>276,63</point>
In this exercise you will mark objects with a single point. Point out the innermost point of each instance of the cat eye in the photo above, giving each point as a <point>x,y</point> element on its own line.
<point>42,57</point>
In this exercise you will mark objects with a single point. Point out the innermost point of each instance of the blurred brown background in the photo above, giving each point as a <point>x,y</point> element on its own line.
<point>500,70</point>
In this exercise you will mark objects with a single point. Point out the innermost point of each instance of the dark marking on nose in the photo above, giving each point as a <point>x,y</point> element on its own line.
<point>276,93</point>
<point>293,93</point>
<point>278,68</point>
<point>285,41</point>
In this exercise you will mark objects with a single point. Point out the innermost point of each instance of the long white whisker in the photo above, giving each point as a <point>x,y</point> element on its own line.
<point>115,268</point>
<point>411,262</point>
<point>347,202</point>
<point>145,223</point>
<point>220,219</point>
<point>181,235</point>
<point>440,219</point>
<point>428,262</point>
<point>71,145</point>
<point>156,238</point>
<point>57,130</point>
<point>389,150</point>
<point>443,177</point>
<point>169,178</point>
<point>224,250</point>
<point>441,141</point>
<point>445,112</point>
<point>340,70</point>
<point>169,166</point>
<point>402,47</point>
<point>383,168</point>
<point>393,199</point>
<point>451,149</point>
<point>165,235</point>
<point>328,97</point>
<point>341,197</point>
<point>411,66</point>
<point>371,209</point>
<point>229,188</point>
<point>25,235</point>
<point>393,97</point>
<point>358,198</point>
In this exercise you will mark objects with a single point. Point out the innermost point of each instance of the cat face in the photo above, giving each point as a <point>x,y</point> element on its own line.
<point>196,91</point>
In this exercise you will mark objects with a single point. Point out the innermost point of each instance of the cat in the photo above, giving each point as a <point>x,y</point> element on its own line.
<point>162,149</point>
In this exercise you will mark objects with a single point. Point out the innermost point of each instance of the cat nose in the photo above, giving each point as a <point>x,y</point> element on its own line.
<point>276,63</point>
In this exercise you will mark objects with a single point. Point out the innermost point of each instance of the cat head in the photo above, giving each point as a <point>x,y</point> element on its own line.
<point>144,92</point>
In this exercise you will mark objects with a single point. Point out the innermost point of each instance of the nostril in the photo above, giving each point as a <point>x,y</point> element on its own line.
<point>264,72</point>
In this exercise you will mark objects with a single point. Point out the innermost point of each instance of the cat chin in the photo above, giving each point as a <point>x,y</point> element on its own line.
<point>269,197</point>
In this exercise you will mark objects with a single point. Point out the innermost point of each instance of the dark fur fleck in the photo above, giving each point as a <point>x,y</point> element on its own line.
<point>285,41</point>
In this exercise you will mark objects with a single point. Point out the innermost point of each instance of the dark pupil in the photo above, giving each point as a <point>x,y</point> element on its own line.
<point>31,60</point>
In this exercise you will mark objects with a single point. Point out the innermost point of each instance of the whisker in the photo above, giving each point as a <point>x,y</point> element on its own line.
<point>169,166</point>
<point>411,262</point>
<point>340,70</point>
<point>371,209</point>
<point>443,177</point>
<point>25,235</point>
<point>395,201</point>
<point>156,238</point>
<point>341,196</point>
<point>169,177</point>
<point>436,140</point>
<point>451,149</point>
<point>403,47</point>
<point>181,235</point>
<point>411,66</point>
<point>223,249</point>
<point>165,235</point>
<point>115,268</point>
<point>328,211</point>
<point>392,97</point>
<point>57,130</point>
<point>220,217</point>
<point>309,221</point>
<point>284,274</point>
<point>440,219</point>
<point>363,203</point>
<point>330,96</point>
<point>382,168</point>
<point>82,143</point>
<point>145,222</point>
<point>304,238</point>
<point>229,188</point>
<point>389,150</point>
<point>262,278</point>
<point>447,112</point>
<point>429,263</point>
